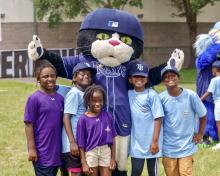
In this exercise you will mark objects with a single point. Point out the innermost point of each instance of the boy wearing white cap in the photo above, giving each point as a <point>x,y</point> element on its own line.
<point>179,124</point>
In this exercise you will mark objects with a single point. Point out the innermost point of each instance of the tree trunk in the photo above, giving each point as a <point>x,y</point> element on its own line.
<point>192,27</point>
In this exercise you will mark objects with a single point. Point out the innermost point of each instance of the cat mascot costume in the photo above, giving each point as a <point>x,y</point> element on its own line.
<point>109,39</point>
<point>207,46</point>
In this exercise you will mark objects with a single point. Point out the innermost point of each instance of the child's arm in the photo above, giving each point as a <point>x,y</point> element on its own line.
<point>68,127</point>
<point>205,95</point>
<point>113,163</point>
<point>85,166</point>
<point>198,137</point>
<point>154,148</point>
<point>32,153</point>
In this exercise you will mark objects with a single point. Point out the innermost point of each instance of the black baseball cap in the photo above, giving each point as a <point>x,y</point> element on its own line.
<point>169,69</point>
<point>82,66</point>
<point>138,68</point>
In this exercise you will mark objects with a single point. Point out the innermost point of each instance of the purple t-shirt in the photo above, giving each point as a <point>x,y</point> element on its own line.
<point>45,112</point>
<point>95,131</point>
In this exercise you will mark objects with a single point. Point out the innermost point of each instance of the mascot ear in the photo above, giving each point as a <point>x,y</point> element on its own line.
<point>176,59</point>
<point>35,48</point>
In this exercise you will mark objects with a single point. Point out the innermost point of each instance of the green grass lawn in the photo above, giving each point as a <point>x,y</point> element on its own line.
<point>13,148</point>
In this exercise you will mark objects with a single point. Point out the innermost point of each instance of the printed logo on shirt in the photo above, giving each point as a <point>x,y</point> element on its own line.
<point>186,113</point>
<point>125,125</point>
<point>143,109</point>
<point>97,120</point>
<point>111,71</point>
<point>107,129</point>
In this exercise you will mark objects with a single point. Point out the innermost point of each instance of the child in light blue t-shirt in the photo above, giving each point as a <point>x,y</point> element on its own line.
<point>73,109</point>
<point>214,89</point>
<point>181,106</point>
<point>146,130</point>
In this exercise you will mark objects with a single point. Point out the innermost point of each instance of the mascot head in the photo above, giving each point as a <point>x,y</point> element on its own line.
<point>111,36</point>
<point>203,41</point>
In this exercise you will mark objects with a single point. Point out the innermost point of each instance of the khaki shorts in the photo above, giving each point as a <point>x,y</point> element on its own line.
<point>99,156</point>
<point>178,166</point>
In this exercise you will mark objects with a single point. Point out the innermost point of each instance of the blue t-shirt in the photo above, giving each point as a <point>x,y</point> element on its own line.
<point>73,105</point>
<point>62,89</point>
<point>214,88</point>
<point>179,123</point>
<point>145,108</point>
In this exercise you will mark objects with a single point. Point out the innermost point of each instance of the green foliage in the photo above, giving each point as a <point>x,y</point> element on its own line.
<point>56,10</point>
<point>185,7</point>
<point>199,4</point>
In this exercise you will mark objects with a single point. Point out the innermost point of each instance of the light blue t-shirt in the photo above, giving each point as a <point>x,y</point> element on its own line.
<point>214,88</point>
<point>179,122</point>
<point>73,105</point>
<point>145,107</point>
<point>62,89</point>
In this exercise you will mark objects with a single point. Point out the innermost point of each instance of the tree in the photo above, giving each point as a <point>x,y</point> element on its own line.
<point>56,10</point>
<point>190,9</point>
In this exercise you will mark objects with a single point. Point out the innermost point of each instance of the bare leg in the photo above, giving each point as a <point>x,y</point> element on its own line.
<point>218,126</point>
<point>95,171</point>
<point>75,174</point>
<point>104,171</point>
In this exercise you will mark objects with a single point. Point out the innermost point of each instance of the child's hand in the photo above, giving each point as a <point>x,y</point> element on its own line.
<point>32,155</point>
<point>86,170</point>
<point>74,149</point>
<point>112,164</point>
<point>197,138</point>
<point>154,148</point>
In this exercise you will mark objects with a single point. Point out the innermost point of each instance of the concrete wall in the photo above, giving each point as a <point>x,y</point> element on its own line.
<point>160,40</point>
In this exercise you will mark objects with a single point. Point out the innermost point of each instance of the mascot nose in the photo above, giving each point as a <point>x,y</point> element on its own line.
<point>113,42</point>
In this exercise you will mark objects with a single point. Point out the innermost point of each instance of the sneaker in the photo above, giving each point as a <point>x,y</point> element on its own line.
<point>205,143</point>
<point>216,147</point>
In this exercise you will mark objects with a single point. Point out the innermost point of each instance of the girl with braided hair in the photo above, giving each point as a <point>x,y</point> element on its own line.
<point>96,134</point>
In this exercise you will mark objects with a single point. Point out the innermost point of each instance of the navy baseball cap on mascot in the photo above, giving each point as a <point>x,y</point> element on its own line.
<point>109,39</point>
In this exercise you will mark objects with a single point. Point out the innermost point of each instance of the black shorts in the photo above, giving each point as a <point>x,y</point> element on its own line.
<point>70,161</point>
<point>45,170</point>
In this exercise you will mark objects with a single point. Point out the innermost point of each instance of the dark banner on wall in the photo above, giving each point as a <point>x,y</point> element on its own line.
<point>15,63</point>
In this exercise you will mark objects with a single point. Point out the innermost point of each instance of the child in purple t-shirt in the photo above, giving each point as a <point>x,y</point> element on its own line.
<point>43,122</point>
<point>96,134</point>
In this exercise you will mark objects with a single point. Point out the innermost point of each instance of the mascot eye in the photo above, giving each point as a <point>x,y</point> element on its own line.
<point>126,40</point>
<point>102,36</point>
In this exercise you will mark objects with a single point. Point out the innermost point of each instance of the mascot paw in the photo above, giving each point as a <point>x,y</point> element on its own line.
<point>35,48</point>
<point>176,59</point>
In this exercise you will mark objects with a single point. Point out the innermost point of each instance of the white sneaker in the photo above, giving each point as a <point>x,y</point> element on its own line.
<point>216,147</point>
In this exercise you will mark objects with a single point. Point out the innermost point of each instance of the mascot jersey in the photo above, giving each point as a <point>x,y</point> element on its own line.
<point>115,82</point>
